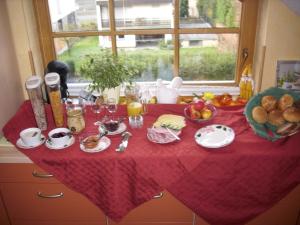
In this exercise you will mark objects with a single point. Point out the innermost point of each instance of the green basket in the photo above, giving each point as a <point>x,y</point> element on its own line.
<point>264,129</point>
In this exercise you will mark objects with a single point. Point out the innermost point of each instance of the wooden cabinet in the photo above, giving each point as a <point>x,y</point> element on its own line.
<point>163,209</point>
<point>285,212</point>
<point>24,186</point>
<point>32,197</point>
<point>26,190</point>
<point>3,214</point>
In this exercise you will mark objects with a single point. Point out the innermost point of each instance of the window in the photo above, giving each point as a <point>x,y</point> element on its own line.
<point>203,41</point>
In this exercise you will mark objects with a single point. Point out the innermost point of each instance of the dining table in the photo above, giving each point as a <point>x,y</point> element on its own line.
<point>229,185</point>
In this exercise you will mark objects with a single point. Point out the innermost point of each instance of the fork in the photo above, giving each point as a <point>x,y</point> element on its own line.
<point>172,133</point>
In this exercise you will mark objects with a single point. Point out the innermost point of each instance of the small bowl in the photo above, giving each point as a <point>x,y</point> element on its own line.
<point>111,124</point>
<point>211,107</point>
<point>91,142</point>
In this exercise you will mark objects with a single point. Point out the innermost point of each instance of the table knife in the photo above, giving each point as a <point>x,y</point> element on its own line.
<point>124,143</point>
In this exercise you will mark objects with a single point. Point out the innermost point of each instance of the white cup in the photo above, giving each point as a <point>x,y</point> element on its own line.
<point>59,137</point>
<point>31,136</point>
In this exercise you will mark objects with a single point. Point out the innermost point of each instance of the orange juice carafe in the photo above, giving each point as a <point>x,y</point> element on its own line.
<point>134,108</point>
<point>246,83</point>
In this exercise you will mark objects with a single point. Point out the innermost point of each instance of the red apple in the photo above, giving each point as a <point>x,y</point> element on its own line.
<point>194,114</point>
<point>199,105</point>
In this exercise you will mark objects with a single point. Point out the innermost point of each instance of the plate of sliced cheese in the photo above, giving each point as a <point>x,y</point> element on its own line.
<point>171,121</point>
<point>166,129</point>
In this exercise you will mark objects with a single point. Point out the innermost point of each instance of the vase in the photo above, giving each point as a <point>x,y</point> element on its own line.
<point>112,93</point>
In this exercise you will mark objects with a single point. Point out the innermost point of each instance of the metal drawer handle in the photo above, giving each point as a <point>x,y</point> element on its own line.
<point>41,175</point>
<point>41,195</point>
<point>160,195</point>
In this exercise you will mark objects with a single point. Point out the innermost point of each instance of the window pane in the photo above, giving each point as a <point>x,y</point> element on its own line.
<point>78,15</point>
<point>143,14</point>
<point>153,54</point>
<point>72,52</point>
<point>212,13</point>
<point>208,57</point>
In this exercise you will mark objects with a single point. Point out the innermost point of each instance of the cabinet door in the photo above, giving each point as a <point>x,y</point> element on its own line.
<point>284,212</point>
<point>23,203</point>
<point>3,215</point>
<point>164,209</point>
<point>24,172</point>
<point>33,222</point>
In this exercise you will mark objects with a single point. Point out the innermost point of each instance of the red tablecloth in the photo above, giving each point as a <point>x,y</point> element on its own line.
<point>228,186</point>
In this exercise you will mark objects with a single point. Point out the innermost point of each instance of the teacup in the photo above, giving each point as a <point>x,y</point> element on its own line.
<point>59,137</point>
<point>31,136</point>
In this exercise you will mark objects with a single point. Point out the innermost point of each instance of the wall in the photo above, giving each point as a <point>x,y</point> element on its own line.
<point>25,38</point>
<point>279,31</point>
<point>11,95</point>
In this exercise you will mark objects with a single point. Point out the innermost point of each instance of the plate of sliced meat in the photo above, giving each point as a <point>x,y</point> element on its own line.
<point>161,135</point>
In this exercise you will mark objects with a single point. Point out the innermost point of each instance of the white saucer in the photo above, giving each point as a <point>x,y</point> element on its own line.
<point>21,144</point>
<point>51,146</point>
<point>214,136</point>
<point>121,129</point>
<point>103,144</point>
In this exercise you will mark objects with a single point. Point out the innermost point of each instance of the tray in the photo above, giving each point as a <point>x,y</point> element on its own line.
<point>266,130</point>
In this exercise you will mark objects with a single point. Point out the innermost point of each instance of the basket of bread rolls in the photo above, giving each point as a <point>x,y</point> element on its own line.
<point>274,113</point>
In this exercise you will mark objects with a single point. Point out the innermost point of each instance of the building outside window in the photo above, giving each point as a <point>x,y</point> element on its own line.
<point>201,41</point>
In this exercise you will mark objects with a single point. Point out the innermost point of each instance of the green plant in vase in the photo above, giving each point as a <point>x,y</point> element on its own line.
<point>107,72</point>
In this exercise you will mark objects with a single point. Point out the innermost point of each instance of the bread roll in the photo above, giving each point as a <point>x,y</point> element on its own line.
<point>275,117</point>
<point>259,114</point>
<point>285,101</point>
<point>292,115</point>
<point>269,102</point>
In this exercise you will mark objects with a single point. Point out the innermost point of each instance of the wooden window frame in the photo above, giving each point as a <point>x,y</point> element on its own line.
<point>246,32</point>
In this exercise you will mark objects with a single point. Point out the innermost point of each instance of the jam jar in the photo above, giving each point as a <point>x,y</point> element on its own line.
<point>75,118</point>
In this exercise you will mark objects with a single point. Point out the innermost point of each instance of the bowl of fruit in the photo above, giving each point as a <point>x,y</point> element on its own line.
<point>200,111</point>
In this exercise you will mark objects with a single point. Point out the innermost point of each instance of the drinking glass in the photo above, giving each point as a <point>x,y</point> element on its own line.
<point>97,106</point>
<point>111,105</point>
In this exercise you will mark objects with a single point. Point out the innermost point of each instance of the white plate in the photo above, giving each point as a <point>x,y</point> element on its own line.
<point>121,129</point>
<point>21,144</point>
<point>103,144</point>
<point>68,144</point>
<point>214,136</point>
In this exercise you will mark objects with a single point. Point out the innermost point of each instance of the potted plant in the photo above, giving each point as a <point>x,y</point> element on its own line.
<point>107,72</point>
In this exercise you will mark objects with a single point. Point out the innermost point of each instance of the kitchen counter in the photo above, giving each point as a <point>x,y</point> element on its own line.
<point>9,154</point>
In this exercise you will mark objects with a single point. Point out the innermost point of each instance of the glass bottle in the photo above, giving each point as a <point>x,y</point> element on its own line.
<point>33,86</point>
<point>53,88</point>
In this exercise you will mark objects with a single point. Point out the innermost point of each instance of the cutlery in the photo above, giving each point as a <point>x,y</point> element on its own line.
<point>124,143</point>
<point>173,134</point>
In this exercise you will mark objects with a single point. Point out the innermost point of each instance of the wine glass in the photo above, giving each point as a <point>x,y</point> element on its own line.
<point>111,105</point>
<point>97,106</point>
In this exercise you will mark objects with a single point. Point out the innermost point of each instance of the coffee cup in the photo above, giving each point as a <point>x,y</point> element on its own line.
<point>59,137</point>
<point>31,136</point>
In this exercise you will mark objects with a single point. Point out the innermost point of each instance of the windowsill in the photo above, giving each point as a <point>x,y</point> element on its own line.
<point>187,89</point>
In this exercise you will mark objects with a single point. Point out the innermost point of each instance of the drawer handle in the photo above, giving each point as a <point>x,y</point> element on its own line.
<point>41,195</point>
<point>41,175</point>
<point>160,195</point>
